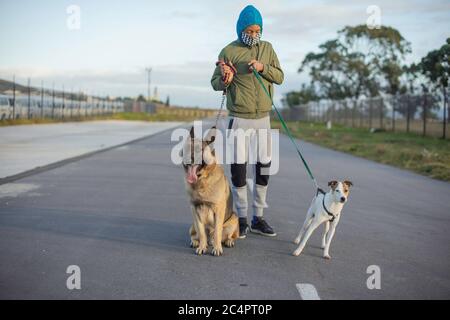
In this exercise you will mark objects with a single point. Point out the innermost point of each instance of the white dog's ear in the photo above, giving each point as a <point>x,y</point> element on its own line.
<point>348,183</point>
<point>332,184</point>
<point>211,136</point>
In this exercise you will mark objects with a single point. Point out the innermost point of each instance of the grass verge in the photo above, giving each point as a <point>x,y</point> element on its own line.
<point>425,155</point>
<point>140,116</point>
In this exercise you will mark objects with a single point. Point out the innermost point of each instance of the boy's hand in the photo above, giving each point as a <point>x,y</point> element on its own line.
<point>227,75</point>
<point>258,66</point>
<point>227,71</point>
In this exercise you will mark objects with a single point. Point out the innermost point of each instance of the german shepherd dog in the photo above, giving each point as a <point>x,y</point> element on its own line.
<point>210,195</point>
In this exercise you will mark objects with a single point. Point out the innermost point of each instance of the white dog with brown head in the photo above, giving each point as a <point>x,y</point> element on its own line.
<point>325,208</point>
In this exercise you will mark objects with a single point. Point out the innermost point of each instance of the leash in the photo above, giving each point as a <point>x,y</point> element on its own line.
<point>288,133</point>
<point>224,93</point>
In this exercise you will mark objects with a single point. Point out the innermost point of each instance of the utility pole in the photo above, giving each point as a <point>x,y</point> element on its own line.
<point>149,72</point>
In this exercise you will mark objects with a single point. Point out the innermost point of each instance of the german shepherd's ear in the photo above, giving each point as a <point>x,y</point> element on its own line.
<point>348,183</point>
<point>211,136</point>
<point>332,184</point>
<point>192,132</point>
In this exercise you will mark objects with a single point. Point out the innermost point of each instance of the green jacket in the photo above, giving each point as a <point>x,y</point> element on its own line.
<point>245,96</point>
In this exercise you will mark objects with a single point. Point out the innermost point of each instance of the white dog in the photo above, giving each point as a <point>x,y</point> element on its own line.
<point>325,207</point>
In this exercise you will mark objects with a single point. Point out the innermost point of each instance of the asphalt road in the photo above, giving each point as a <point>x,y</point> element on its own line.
<point>122,216</point>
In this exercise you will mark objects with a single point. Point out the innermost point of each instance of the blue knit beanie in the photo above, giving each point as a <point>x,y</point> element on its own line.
<point>248,16</point>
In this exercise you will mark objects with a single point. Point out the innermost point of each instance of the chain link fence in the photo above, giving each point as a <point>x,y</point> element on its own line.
<point>423,114</point>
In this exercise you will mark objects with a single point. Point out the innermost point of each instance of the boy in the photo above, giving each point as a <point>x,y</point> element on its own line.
<point>249,107</point>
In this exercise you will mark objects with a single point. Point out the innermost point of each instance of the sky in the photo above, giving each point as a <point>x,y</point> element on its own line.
<point>107,53</point>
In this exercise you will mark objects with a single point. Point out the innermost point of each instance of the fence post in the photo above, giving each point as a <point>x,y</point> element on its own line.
<point>444,120</point>
<point>425,111</point>
<point>80,95</point>
<point>381,112</point>
<point>14,97</point>
<point>353,113</point>
<point>53,100</point>
<point>29,99</point>
<point>346,114</point>
<point>63,105</point>
<point>408,112</point>
<point>322,113</point>
<point>331,112</point>
<point>42,98</point>
<point>361,112</point>
<point>72,99</point>
<point>394,102</point>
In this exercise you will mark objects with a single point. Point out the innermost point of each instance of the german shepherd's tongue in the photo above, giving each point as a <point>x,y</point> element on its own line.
<point>191,175</point>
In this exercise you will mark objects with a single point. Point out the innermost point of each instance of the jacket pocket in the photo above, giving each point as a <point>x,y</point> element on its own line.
<point>239,101</point>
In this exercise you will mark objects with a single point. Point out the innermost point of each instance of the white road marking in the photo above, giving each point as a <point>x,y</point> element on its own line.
<point>307,291</point>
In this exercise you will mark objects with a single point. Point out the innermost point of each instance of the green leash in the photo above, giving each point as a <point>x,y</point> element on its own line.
<point>286,129</point>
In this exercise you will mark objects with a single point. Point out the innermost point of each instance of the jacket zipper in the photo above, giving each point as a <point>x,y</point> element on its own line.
<point>257,95</point>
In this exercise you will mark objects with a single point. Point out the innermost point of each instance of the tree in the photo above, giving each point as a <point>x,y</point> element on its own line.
<point>436,67</point>
<point>141,98</point>
<point>382,50</point>
<point>327,70</point>
<point>360,62</point>
<point>340,74</point>
<point>303,96</point>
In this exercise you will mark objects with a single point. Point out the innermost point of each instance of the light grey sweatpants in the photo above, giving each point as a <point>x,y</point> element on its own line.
<point>250,142</point>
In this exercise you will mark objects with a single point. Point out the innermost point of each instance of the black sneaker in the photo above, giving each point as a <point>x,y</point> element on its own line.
<point>259,225</point>
<point>243,228</point>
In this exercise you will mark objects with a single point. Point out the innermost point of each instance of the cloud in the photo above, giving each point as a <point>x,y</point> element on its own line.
<point>183,40</point>
<point>184,14</point>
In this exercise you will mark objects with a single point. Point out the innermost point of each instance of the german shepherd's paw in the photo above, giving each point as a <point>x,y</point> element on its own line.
<point>229,243</point>
<point>194,243</point>
<point>201,250</point>
<point>217,251</point>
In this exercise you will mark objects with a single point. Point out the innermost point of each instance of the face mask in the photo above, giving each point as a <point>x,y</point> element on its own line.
<point>249,40</point>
